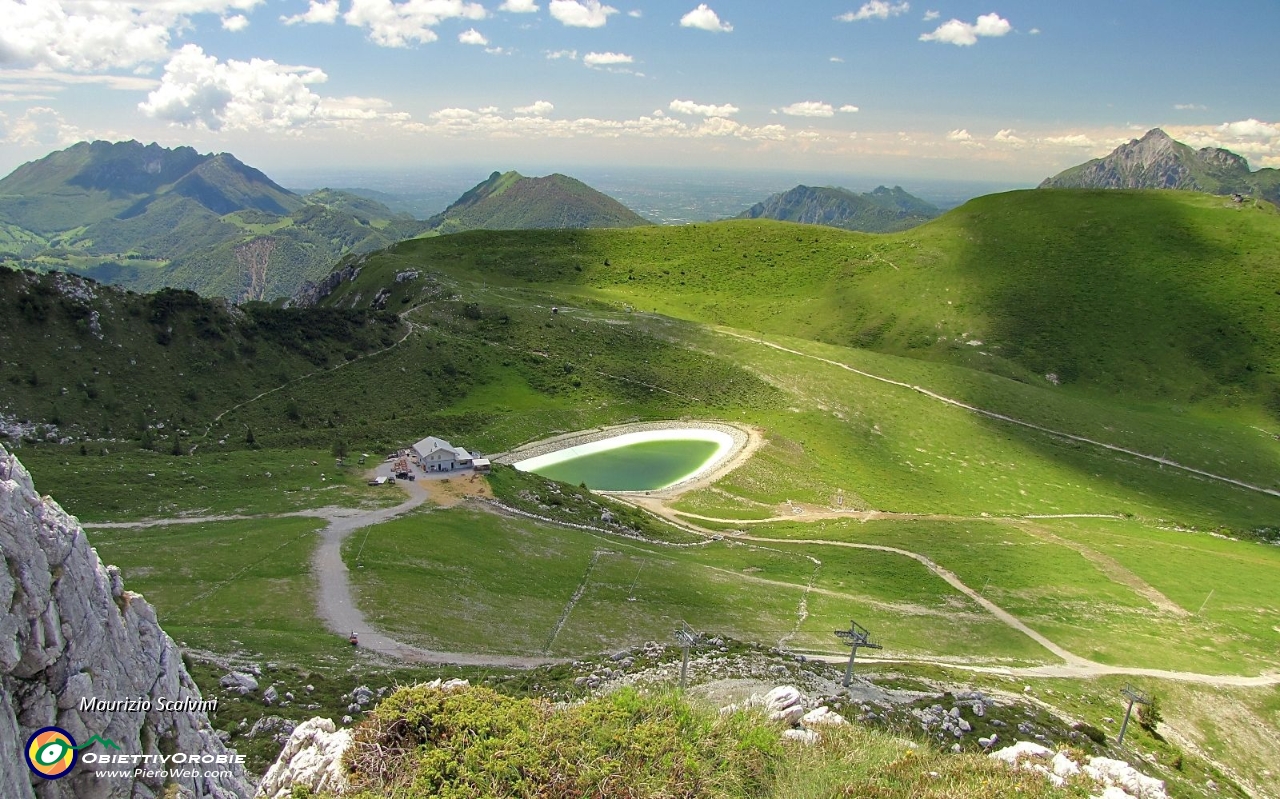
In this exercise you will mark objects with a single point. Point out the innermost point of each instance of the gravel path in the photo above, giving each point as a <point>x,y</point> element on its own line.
<point>335,602</point>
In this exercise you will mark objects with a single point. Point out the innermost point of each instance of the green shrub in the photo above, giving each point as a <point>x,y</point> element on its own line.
<point>477,743</point>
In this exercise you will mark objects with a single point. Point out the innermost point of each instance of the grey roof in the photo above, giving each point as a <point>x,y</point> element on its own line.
<point>431,444</point>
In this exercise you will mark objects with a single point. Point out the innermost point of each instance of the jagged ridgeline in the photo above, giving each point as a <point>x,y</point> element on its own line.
<point>147,217</point>
<point>1156,161</point>
<point>882,210</point>
<point>85,360</point>
<point>92,360</point>
<point>1157,295</point>
<point>511,201</point>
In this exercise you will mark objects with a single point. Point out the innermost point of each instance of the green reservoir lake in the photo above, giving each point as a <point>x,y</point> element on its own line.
<point>643,466</point>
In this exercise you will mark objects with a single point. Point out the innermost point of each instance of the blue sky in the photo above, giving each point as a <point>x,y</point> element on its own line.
<point>997,89</point>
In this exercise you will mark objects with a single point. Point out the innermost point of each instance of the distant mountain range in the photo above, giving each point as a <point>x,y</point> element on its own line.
<point>1157,161</point>
<point>148,217</point>
<point>145,217</point>
<point>883,210</point>
<point>511,201</point>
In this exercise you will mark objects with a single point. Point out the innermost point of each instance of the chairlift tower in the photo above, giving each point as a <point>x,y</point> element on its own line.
<point>1135,697</point>
<point>856,637</point>
<point>687,639</point>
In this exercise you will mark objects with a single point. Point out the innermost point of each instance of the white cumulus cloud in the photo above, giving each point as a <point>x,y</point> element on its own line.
<point>556,55</point>
<point>581,13</point>
<point>1249,129</point>
<point>699,109</point>
<point>472,36</point>
<point>1257,140</point>
<point>317,13</point>
<point>930,16</point>
<point>809,108</point>
<point>519,6</point>
<point>486,122</point>
<point>237,22</point>
<point>1008,136</point>
<point>606,59</point>
<point>198,90</point>
<point>875,9</point>
<point>960,135</point>
<point>393,24</point>
<point>538,108</point>
<point>39,126</point>
<point>92,35</point>
<point>964,34</point>
<point>1071,140</point>
<point>848,109</point>
<point>703,18</point>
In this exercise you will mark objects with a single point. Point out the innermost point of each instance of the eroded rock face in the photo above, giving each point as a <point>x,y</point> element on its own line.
<point>70,632</point>
<point>312,758</point>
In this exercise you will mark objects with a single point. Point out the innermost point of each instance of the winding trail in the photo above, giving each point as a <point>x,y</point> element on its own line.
<point>1072,667</point>
<point>1002,417</point>
<point>336,605</point>
<point>410,326</point>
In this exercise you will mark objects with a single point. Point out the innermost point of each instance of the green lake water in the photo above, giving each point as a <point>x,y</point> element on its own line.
<point>636,467</point>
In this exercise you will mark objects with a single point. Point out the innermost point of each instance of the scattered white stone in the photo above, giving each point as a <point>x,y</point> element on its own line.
<point>807,737</point>
<point>789,716</point>
<point>312,758</point>
<point>239,681</point>
<point>1021,750</point>
<point>822,717</point>
<point>1064,766</point>
<point>1119,774</point>
<point>782,697</point>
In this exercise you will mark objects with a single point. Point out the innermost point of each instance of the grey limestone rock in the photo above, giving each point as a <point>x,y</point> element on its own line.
<point>70,631</point>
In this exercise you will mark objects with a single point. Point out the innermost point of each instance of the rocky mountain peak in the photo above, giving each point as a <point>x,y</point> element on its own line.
<point>1157,161</point>
<point>81,653</point>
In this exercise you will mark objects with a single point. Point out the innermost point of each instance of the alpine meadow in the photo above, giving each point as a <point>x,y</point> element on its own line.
<point>959,488</point>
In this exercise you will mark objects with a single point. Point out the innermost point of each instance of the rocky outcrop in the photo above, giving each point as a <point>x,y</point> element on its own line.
<point>80,652</point>
<point>310,293</point>
<point>311,758</point>
<point>1157,161</point>
<point>1115,779</point>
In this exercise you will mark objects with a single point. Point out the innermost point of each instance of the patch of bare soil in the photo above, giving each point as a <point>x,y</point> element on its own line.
<point>452,490</point>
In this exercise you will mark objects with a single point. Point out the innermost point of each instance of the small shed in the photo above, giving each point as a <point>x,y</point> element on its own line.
<point>481,465</point>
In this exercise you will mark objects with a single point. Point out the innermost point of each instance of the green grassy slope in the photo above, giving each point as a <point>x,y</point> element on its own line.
<point>1154,295</point>
<point>511,201</point>
<point>97,361</point>
<point>150,217</point>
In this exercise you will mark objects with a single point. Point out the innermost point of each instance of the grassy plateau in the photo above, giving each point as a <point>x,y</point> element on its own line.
<point>1063,406</point>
